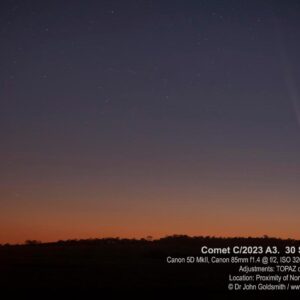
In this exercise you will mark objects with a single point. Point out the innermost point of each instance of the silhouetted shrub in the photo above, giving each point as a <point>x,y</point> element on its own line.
<point>32,242</point>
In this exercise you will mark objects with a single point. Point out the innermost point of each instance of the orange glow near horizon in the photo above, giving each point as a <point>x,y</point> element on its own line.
<point>150,218</point>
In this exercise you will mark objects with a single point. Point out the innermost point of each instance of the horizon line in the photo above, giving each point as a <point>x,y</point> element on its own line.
<point>148,238</point>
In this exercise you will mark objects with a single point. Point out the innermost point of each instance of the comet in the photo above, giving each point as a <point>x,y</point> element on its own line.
<point>289,79</point>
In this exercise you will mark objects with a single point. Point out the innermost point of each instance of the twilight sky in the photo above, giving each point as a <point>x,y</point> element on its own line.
<point>135,118</point>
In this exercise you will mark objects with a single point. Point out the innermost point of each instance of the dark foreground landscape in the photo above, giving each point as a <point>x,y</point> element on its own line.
<point>119,263</point>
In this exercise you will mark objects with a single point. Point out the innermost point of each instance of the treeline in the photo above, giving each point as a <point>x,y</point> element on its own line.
<point>172,239</point>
